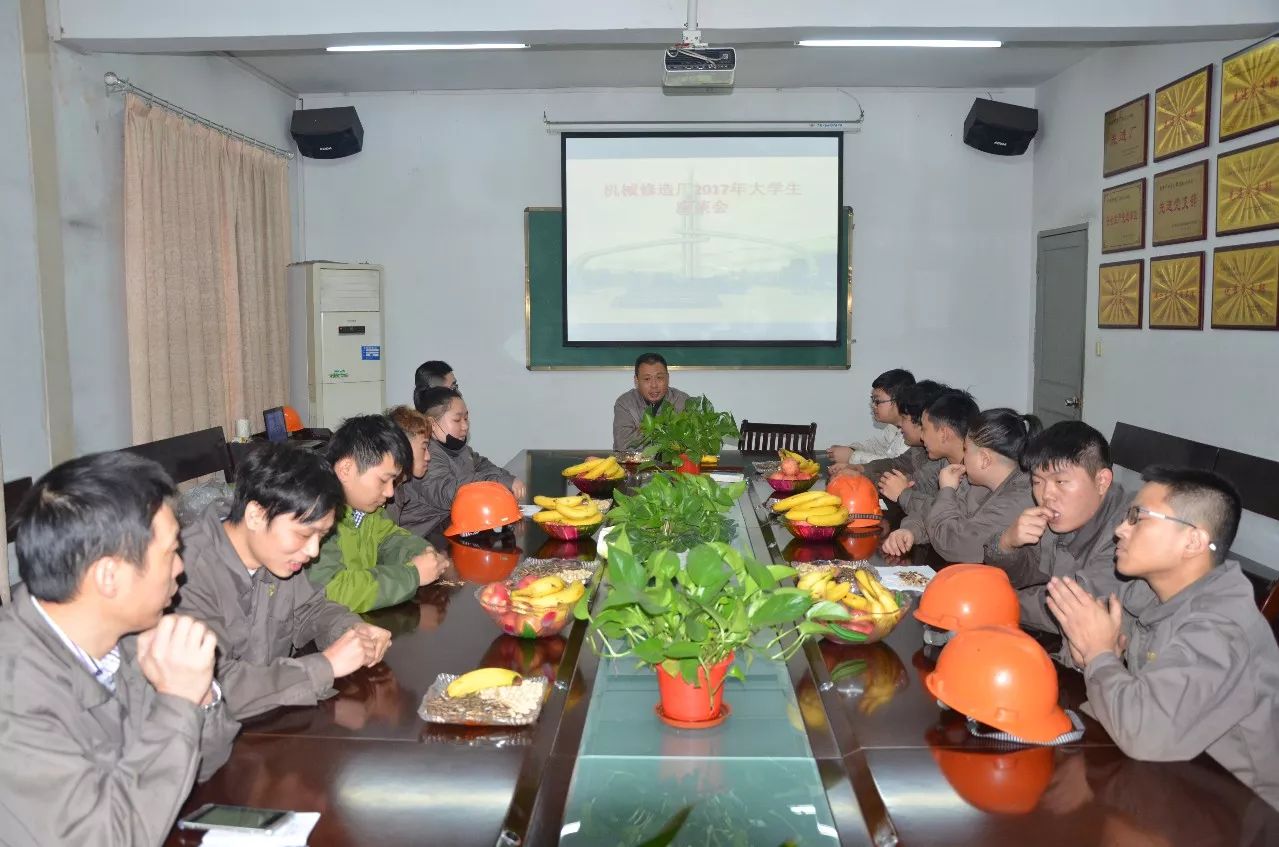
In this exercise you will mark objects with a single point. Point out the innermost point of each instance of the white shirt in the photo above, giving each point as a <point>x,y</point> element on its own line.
<point>887,443</point>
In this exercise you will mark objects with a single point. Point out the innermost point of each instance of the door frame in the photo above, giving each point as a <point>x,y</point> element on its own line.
<point>1083,227</point>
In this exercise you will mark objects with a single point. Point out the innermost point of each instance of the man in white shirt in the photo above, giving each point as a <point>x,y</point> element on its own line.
<point>108,709</point>
<point>888,442</point>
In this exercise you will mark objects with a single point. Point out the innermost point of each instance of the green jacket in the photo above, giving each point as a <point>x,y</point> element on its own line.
<point>368,567</point>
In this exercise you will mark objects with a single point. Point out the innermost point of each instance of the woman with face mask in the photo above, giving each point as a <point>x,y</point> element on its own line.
<point>452,462</point>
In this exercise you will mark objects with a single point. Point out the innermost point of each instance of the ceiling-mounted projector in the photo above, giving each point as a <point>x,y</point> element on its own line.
<point>686,66</point>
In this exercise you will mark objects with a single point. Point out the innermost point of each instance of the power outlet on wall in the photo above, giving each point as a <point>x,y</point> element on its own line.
<point>1097,350</point>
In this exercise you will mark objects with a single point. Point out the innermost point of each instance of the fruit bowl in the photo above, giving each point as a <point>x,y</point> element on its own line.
<point>568,532</point>
<point>525,621</point>
<point>808,532</point>
<point>602,487</point>
<point>868,627</point>
<point>791,486</point>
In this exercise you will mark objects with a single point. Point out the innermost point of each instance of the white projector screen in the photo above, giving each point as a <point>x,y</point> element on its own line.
<point>701,239</point>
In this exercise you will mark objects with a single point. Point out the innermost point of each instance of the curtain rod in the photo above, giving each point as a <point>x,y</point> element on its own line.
<point>116,85</point>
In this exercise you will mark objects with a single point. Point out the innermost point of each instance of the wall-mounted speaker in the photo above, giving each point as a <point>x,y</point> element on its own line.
<point>1000,128</point>
<point>327,133</point>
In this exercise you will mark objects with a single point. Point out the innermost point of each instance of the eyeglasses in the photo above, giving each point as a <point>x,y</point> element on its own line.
<point>875,402</point>
<point>1135,513</point>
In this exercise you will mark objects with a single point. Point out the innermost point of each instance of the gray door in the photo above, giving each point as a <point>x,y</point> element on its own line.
<point>1061,296</point>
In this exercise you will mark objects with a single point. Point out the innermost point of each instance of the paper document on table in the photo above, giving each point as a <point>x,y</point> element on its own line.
<point>905,577</point>
<point>726,477</point>
<point>293,833</point>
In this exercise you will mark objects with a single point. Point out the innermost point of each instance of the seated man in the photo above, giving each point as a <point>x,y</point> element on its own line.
<point>434,374</point>
<point>242,560</point>
<point>885,392</point>
<point>1071,530</point>
<point>652,389</point>
<point>369,562</point>
<point>1181,662</point>
<point>108,708</point>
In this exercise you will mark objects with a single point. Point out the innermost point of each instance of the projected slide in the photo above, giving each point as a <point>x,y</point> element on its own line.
<point>701,239</point>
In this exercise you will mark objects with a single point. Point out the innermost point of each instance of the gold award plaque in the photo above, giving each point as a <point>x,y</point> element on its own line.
<point>1125,137</point>
<point>1177,291</point>
<point>1181,114</point>
<point>1180,205</point>
<point>1248,189</point>
<point>1123,217</point>
<point>1119,295</point>
<point>1244,284</point>
<point>1250,89</point>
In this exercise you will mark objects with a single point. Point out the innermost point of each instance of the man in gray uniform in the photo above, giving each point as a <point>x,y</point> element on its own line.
<point>243,560</point>
<point>1181,662</point>
<point>108,708</point>
<point>1071,529</point>
<point>652,389</point>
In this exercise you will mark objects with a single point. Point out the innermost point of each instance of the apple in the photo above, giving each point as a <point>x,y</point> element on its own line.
<point>525,581</point>
<point>510,623</point>
<point>496,594</point>
<point>790,467</point>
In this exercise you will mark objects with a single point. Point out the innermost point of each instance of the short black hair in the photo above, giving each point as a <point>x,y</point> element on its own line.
<point>430,374</point>
<point>1206,499</point>
<point>650,359</point>
<point>1067,444</point>
<point>285,479</point>
<point>434,402</point>
<point>954,409</point>
<point>368,438</point>
<point>893,383</point>
<point>84,510</point>
<point>1005,431</point>
<point>918,397</point>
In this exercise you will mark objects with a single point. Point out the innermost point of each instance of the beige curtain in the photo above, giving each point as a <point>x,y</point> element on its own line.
<point>206,245</point>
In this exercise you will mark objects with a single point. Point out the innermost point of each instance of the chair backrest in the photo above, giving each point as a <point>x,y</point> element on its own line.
<point>769,438</point>
<point>189,456</point>
<point>13,493</point>
<point>1254,478</point>
<point>1138,448</point>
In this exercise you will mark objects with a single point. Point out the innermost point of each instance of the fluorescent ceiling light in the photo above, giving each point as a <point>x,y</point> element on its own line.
<point>896,42</point>
<point>394,48</point>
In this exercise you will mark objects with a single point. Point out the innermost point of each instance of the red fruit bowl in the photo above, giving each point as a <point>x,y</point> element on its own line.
<point>791,486</point>
<point>868,627</point>
<point>808,532</point>
<point>522,621</point>
<point>565,532</point>
<point>597,487</point>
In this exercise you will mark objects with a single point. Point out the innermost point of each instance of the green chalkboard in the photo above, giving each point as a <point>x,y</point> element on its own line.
<point>544,316</point>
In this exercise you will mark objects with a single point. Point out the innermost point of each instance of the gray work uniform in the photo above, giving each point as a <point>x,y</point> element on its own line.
<point>410,509</point>
<point>962,519</point>
<point>260,620</point>
<point>450,470</point>
<point>629,410</point>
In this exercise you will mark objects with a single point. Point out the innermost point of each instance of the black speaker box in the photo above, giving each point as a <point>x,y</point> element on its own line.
<point>327,133</point>
<point>1000,128</point>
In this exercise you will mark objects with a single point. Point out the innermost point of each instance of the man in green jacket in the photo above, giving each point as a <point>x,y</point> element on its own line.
<point>369,562</point>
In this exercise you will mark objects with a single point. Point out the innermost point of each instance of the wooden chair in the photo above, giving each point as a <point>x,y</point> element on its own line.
<point>13,493</point>
<point>1254,477</point>
<point>769,438</point>
<point>189,456</point>
<point>1138,448</point>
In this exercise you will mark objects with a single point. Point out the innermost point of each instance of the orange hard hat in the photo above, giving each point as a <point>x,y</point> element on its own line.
<point>964,596</point>
<point>480,506</point>
<point>860,497</point>
<point>861,545</point>
<point>1001,782</point>
<point>1001,677</point>
<point>292,420</point>
<point>475,563</point>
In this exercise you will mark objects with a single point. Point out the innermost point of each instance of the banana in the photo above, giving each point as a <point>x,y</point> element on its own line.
<point>540,587</point>
<point>548,516</point>
<point>788,503</point>
<point>603,469</point>
<point>806,581</point>
<point>836,518</point>
<point>576,500</point>
<point>591,521</point>
<point>881,599</point>
<point>478,680</point>
<point>544,501</point>
<point>836,591</point>
<point>803,513</point>
<point>857,601</point>
<point>582,468</point>
<point>582,512</point>
<point>569,594</point>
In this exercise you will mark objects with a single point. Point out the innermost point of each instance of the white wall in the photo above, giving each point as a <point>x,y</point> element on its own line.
<point>91,164</point>
<point>23,423</point>
<point>1215,386</point>
<point>942,253</point>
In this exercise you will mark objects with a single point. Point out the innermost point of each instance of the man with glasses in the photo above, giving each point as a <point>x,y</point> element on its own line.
<point>1180,662</point>
<point>885,393</point>
<point>1070,531</point>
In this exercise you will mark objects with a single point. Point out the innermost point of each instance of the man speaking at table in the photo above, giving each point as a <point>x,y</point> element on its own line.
<point>652,389</point>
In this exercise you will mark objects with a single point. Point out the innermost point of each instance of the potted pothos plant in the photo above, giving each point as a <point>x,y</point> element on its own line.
<point>679,438</point>
<point>674,512</point>
<point>690,620</point>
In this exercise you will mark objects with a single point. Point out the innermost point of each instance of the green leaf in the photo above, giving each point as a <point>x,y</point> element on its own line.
<point>623,569</point>
<point>683,650</point>
<point>782,606</point>
<point>828,610</point>
<point>696,629</point>
<point>664,565</point>
<point>582,608</point>
<point>704,565</point>
<point>761,575</point>
<point>781,572</point>
<point>649,650</point>
<point>737,673</point>
<point>668,831</point>
<point>688,670</point>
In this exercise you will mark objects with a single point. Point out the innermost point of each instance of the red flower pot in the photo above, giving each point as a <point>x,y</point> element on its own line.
<point>689,703</point>
<point>689,465</point>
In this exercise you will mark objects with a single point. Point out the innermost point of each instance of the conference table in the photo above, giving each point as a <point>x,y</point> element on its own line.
<point>842,744</point>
